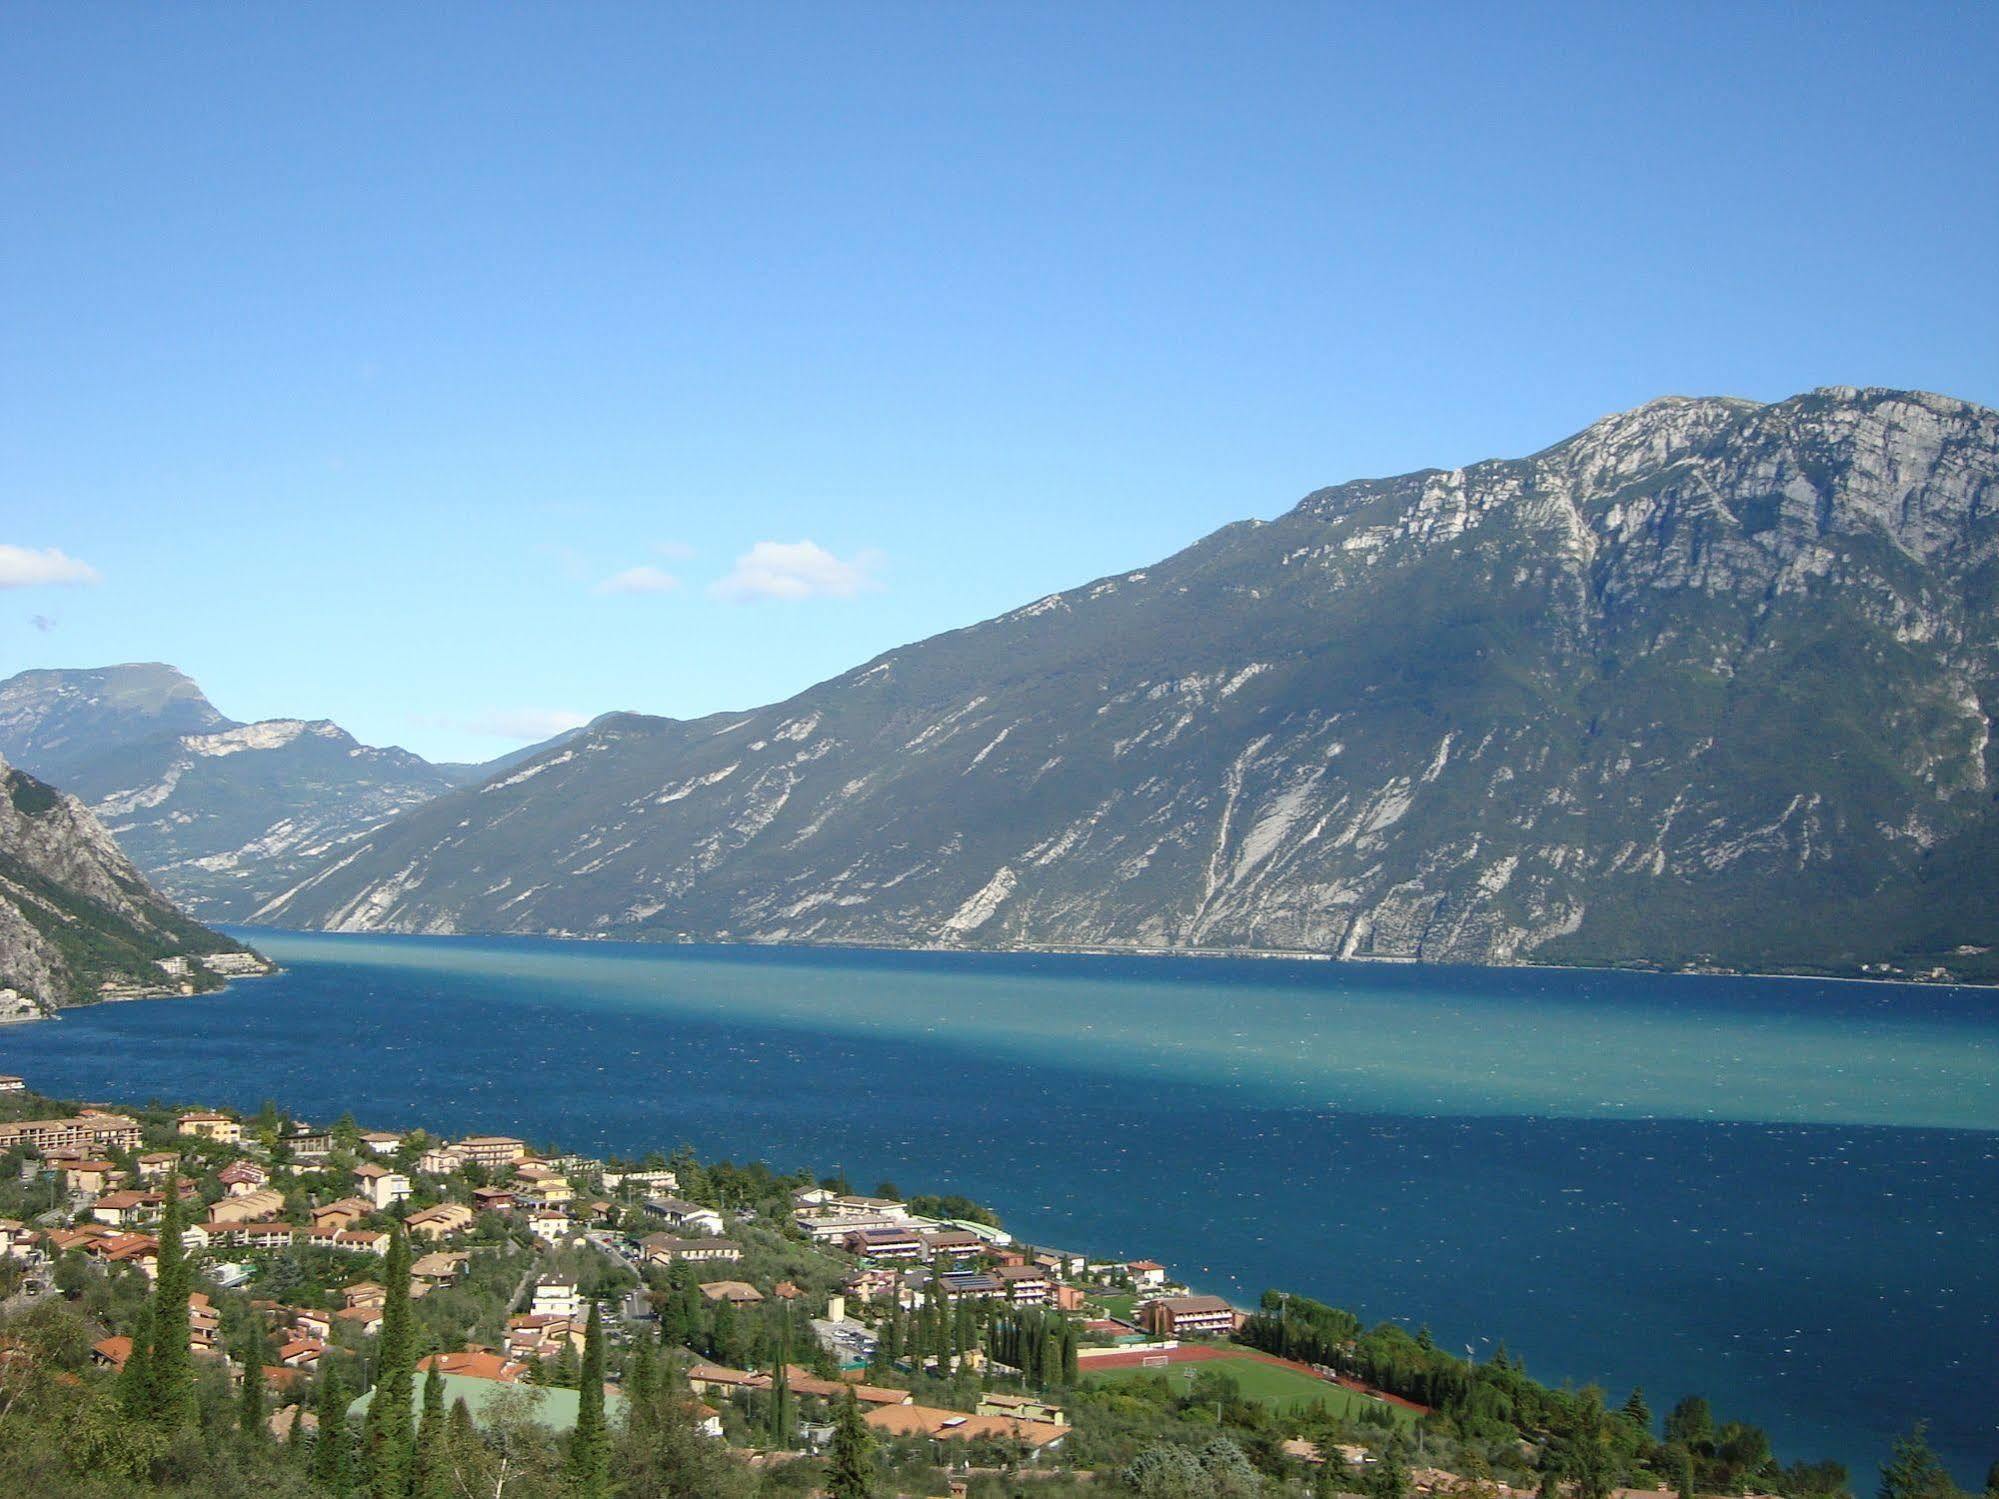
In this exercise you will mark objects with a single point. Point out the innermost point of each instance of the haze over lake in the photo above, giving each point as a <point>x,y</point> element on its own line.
<point>1777,1193</point>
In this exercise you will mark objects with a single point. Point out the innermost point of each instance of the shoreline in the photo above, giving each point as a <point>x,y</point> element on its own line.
<point>1098,950</point>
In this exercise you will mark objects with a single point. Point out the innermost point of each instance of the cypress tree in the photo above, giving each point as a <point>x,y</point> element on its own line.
<point>641,1378</point>
<point>430,1475</point>
<point>250,1405</point>
<point>590,1443</point>
<point>135,1380</point>
<point>331,1468</point>
<point>172,1366</point>
<point>851,1473</point>
<point>780,1391</point>
<point>388,1434</point>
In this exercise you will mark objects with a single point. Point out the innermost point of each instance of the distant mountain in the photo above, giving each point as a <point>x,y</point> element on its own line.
<point>79,923</point>
<point>1708,683</point>
<point>223,815</point>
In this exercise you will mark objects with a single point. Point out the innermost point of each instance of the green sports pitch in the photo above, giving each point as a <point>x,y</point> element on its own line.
<point>1271,1384</point>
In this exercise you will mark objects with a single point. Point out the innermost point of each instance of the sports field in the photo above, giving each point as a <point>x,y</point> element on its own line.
<point>1271,1383</point>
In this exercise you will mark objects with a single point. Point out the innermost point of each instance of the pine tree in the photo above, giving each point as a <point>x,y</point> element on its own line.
<point>430,1473</point>
<point>1638,1411</point>
<point>590,1443</point>
<point>566,1374</point>
<point>851,1473</point>
<point>1913,1470</point>
<point>331,1467</point>
<point>172,1365</point>
<point>388,1433</point>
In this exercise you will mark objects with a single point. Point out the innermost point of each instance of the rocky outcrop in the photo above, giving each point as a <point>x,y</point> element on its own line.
<point>78,922</point>
<point>1708,683</point>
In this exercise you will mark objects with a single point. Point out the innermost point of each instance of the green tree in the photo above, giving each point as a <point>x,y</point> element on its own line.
<point>1637,1411</point>
<point>388,1432</point>
<point>1691,1424</point>
<point>250,1399</point>
<point>781,1416</point>
<point>430,1475</point>
<point>332,1464</point>
<point>589,1443</point>
<point>172,1372</point>
<point>1913,1470</point>
<point>851,1472</point>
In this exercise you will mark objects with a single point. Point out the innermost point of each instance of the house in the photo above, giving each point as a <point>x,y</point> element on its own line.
<point>365,1293</point>
<point>885,1244</point>
<point>492,1199</point>
<point>11,1084</point>
<point>535,1338</point>
<point>1061,1262</point>
<point>943,1425</point>
<point>239,1177</point>
<point>367,1318</point>
<point>381,1141</point>
<point>804,1382</point>
<point>210,1127</point>
<point>550,1225</point>
<point>688,1216</point>
<point>665,1249</point>
<point>381,1185</point>
<point>735,1292</point>
<point>86,1131</point>
<point>1070,1298</point>
<point>1147,1275</point>
<point>952,1243</point>
<point>249,1207</point>
<point>314,1325</point>
<point>1188,1317</point>
<point>435,1223</point>
<point>349,1240</point>
<point>1026,1285</point>
<point>660,1182</point>
<point>308,1144</point>
<point>714,1379</point>
<point>441,1160</point>
<point>112,1352</point>
<point>490,1151</point>
<point>17,1239</point>
<point>1021,1408</point>
<point>439,1267</point>
<point>141,1250</point>
<point>301,1353</point>
<point>89,1177</point>
<point>959,1285</point>
<point>345,1213</point>
<point>128,1207</point>
<point>155,1164</point>
<point>475,1363</point>
<point>557,1298</point>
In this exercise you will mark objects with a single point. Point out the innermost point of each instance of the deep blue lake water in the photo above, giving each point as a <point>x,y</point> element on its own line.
<point>1776,1193</point>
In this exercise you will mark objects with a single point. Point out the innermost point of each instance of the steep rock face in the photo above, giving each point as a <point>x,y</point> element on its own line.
<point>1708,683</point>
<point>79,922</point>
<point>221,814</point>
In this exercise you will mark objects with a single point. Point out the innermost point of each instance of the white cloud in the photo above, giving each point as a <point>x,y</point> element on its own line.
<point>796,570</point>
<point>24,567</point>
<point>524,724</point>
<point>644,578</point>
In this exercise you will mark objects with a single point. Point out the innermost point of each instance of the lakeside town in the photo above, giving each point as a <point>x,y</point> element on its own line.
<point>808,1336</point>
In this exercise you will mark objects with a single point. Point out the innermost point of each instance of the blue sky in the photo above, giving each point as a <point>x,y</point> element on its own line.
<point>447,373</point>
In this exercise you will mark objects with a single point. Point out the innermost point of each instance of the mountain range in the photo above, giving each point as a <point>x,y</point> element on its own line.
<point>223,815</point>
<point>78,922</point>
<point>1705,685</point>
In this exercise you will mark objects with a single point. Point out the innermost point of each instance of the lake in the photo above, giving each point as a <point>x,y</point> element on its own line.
<point>1776,1193</point>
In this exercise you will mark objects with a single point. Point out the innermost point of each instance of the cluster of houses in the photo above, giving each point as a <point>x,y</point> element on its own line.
<point>899,1258</point>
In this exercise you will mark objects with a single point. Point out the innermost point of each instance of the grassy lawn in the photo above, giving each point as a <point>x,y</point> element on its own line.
<point>1271,1384</point>
<point>1119,1304</point>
